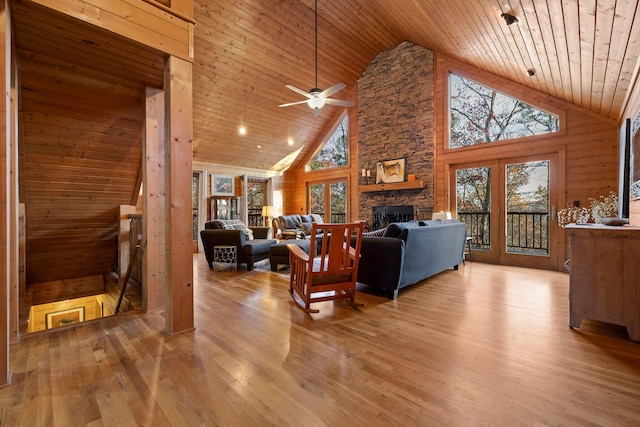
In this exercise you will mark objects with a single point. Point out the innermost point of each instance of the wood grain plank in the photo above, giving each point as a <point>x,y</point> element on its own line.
<point>437,353</point>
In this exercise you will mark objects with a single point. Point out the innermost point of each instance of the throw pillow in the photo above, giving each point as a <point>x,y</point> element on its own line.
<point>316,218</point>
<point>375,233</point>
<point>235,224</point>
<point>395,229</point>
<point>305,227</point>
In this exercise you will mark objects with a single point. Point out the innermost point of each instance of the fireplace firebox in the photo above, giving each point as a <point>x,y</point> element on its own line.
<point>385,215</point>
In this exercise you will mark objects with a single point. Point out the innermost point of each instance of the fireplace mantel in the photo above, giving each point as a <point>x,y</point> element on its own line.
<point>407,185</point>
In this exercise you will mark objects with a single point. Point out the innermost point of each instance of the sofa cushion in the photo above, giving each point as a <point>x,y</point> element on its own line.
<point>316,218</point>
<point>234,224</point>
<point>306,218</point>
<point>289,222</point>
<point>305,227</point>
<point>258,246</point>
<point>395,229</point>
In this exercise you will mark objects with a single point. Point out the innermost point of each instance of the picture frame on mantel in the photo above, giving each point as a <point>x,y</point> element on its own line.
<point>222,185</point>
<point>389,171</point>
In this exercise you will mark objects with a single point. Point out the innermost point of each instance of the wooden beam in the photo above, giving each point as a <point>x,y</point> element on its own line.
<point>153,202</point>
<point>137,21</point>
<point>178,219</point>
<point>5,152</point>
<point>12,166</point>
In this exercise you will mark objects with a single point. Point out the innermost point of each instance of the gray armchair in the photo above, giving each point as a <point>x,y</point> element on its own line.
<point>247,251</point>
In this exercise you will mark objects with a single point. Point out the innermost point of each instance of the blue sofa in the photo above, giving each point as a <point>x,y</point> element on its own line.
<point>409,252</point>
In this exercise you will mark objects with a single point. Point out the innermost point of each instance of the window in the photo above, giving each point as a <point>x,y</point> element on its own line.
<point>479,114</point>
<point>335,151</point>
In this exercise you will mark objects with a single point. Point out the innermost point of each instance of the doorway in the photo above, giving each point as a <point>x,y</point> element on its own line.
<point>509,208</point>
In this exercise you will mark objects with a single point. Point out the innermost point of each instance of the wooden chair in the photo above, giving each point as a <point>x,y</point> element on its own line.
<point>329,272</point>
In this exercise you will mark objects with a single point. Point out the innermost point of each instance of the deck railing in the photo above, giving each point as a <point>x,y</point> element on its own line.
<point>527,232</point>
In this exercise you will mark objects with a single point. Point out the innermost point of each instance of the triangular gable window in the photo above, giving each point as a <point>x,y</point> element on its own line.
<point>479,114</point>
<point>335,151</point>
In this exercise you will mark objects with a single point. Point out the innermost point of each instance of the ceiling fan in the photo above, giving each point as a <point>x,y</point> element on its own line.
<point>316,97</point>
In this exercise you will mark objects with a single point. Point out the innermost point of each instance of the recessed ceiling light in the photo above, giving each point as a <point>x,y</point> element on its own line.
<point>242,130</point>
<point>531,72</point>
<point>509,19</point>
<point>290,141</point>
<point>259,146</point>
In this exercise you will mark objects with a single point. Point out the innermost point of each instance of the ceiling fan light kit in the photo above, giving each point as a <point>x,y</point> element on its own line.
<point>316,97</point>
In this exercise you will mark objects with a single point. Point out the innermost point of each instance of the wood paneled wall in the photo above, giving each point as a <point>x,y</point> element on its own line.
<point>587,144</point>
<point>82,154</point>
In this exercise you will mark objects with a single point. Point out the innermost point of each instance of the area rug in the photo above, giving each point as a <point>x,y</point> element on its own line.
<point>265,266</point>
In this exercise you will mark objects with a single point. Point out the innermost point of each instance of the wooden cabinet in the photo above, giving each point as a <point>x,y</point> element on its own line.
<point>605,276</point>
<point>225,207</point>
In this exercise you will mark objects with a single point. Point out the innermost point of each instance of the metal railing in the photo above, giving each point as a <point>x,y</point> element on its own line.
<point>526,232</point>
<point>338,218</point>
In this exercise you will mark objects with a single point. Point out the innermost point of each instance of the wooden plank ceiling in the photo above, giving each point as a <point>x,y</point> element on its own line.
<point>584,52</point>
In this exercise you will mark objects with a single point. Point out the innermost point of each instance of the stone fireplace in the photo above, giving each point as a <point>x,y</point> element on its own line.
<point>396,121</point>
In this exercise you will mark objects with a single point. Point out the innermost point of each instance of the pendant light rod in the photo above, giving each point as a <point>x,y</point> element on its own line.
<point>316,13</point>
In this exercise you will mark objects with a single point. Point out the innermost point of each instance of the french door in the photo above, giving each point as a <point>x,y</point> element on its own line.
<point>331,204</point>
<point>509,207</point>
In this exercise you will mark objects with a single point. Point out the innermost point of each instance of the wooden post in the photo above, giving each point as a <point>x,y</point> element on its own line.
<point>5,153</point>
<point>13,216</point>
<point>153,202</point>
<point>178,219</point>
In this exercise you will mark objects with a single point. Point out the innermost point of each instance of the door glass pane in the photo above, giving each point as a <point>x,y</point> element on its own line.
<point>473,204</point>
<point>338,206</point>
<point>316,199</point>
<point>195,198</point>
<point>527,206</point>
<point>256,190</point>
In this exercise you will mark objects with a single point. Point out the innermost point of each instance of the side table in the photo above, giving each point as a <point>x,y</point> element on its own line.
<point>467,249</point>
<point>224,258</point>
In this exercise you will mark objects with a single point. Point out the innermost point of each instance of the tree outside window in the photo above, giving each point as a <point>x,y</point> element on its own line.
<point>335,151</point>
<point>479,114</point>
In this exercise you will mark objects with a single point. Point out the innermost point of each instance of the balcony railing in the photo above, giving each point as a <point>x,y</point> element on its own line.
<point>338,218</point>
<point>526,233</point>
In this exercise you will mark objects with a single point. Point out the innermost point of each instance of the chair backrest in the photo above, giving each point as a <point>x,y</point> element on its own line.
<point>338,248</point>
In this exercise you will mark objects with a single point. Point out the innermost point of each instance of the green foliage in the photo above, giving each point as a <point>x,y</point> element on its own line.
<point>479,114</point>
<point>335,151</point>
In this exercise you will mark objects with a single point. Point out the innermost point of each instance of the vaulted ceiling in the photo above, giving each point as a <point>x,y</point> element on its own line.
<point>584,52</point>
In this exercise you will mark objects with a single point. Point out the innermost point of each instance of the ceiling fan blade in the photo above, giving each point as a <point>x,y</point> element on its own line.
<point>293,103</point>
<point>333,89</point>
<point>300,91</point>
<point>339,102</point>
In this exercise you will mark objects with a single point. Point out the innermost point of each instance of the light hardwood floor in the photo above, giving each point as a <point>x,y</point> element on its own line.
<point>484,345</point>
